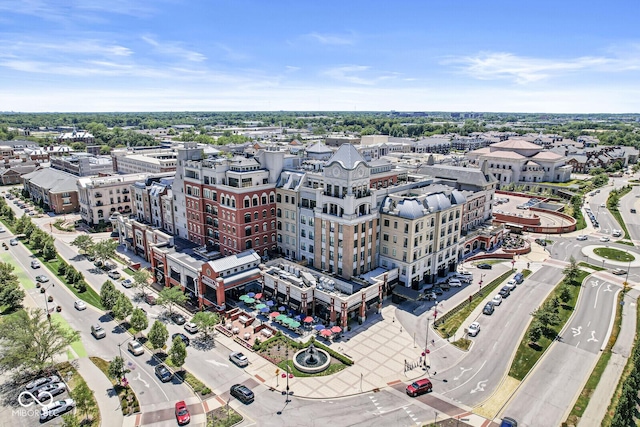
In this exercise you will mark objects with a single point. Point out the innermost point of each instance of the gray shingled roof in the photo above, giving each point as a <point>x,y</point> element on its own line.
<point>233,261</point>
<point>53,180</point>
<point>347,156</point>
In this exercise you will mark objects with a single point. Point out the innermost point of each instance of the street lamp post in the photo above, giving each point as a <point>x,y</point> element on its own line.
<point>626,280</point>
<point>46,300</point>
<point>124,371</point>
<point>480,283</point>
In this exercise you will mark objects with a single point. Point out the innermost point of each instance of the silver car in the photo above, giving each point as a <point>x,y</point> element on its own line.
<point>55,409</point>
<point>239,359</point>
<point>36,384</point>
<point>52,388</point>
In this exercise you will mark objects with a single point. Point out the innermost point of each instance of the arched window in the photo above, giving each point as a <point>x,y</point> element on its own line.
<point>255,200</point>
<point>100,213</point>
<point>233,203</point>
<point>255,215</point>
<point>271,198</point>
<point>264,199</point>
<point>247,202</point>
<point>264,214</point>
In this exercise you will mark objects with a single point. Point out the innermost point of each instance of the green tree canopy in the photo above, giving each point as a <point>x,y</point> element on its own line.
<point>141,279</point>
<point>83,242</point>
<point>178,352</point>
<point>206,322</point>
<point>169,297</point>
<point>123,307</point>
<point>158,335</point>
<point>139,320</point>
<point>108,295</point>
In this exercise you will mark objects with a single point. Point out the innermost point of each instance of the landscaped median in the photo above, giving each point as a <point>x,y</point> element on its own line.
<point>128,400</point>
<point>612,205</point>
<point>451,321</point>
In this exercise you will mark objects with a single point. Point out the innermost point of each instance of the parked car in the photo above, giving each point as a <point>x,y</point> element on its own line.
<point>582,237</point>
<point>438,291</point>
<point>178,319</point>
<point>239,359</point>
<point>519,278</point>
<point>150,299</point>
<point>49,390</point>
<point>35,263</point>
<point>484,266</point>
<point>242,393</point>
<point>419,386</point>
<point>182,413</point>
<point>455,283</point>
<point>114,274</point>
<point>42,278</point>
<point>633,210</point>
<point>98,263</point>
<point>511,284</point>
<point>619,271</point>
<point>191,327</point>
<point>163,373</point>
<point>504,292</point>
<point>37,383</point>
<point>183,337</point>
<point>497,300</point>
<point>473,329</point>
<point>604,239</point>
<point>488,308</point>
<point>127,283</point>
<point>98,331</point>
<point>135,347</point>
<point>508,422</point>
<point>80,305</point>
<point>55,409</point>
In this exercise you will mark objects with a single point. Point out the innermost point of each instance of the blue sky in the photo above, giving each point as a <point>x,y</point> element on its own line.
<point>172,55</point>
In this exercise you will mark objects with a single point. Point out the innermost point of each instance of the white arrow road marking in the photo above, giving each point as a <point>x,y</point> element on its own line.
<point>594,283</point>
<point>576,331</point>
<point>593,337</point>
<point>456,378</point>
<point>139,378</point>
<point>608,289</point>
<point>480,387</point>
<point>213,362</point>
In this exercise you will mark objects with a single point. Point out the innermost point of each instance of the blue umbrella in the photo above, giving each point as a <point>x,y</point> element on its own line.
<point>251,294</point>
<point>298,318</point>
<point>282,308</point>
<point>265,310</point>
<point>319,327</point>
<point>270,303</point>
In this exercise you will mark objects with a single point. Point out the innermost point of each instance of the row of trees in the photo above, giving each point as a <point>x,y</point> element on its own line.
<point>626,410</point>
<point>11,294</point>
<point>102,250</point>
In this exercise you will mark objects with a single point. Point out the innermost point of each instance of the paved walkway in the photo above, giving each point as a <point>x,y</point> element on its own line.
<point>108,402</point>
<point>621,351</point>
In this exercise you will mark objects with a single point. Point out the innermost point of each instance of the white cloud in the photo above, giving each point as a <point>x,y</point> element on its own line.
<point>174,49</point>
<point>332,39</point>
<point>358,74</point>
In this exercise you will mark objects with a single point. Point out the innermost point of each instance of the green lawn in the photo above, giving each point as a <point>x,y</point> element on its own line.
<point>591,266</point>
<point>612,205</point>
<point>89,296</point>
<point>528,353</point>
<point>25,281</point>
<point>614,254</point>
<point>489,261</point>
<point>77,346</point>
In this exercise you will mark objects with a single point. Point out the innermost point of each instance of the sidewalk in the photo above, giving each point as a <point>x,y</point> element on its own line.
<point>621,351</point>
<point>110,413</point>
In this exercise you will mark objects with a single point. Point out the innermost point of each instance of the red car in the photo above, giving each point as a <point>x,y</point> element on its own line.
<point>182,413</point>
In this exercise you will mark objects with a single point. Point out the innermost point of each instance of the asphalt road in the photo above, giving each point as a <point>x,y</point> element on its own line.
<point>550,390</point>
<point>632,221</point>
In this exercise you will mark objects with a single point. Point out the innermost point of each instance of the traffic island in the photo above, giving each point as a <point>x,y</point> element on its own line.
<point>224,416</point>
<point>614,254</point>
<point>128,400</point>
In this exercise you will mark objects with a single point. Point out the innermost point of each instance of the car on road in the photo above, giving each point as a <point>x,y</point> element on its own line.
<point>633,210</point>
<point>508,422</point>
<point>135,347</point>
<point>582,237</point>
<point>163,373</point>
<point>473,329</point>
<point>13,242</point>
<point>35,263</point>
<point>604,239</point>
<point>98,331</point>
<point>419,386</point>
<point>150,299</point>
<point>488,308</point>
<point>2,230</point>
<point>127,283</point>
<point>98,263</point>
<point>242,393</point>
<point>114,274</point>
<point>239,359</point>
<point>505,292</point>
<point>541,242</point>
<point>52,389</point>
<point>497,300</point>
<point>602,205</point>
<point>191,327</point>
<point>37,383</point>
<point>182,413</point>
<point>616,233</point>
<point>80,305</point>
<point>619,271</point>
<point>178,319</point>
<point>55,409</point>
<point>41,278</point>
<point>182,336</point>
<point>484,266</point>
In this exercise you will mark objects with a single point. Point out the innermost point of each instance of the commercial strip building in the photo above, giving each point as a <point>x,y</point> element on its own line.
<point>101,197</point>
<point>54,188</point>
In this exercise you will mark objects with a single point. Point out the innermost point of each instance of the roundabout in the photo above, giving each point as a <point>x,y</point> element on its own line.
<point>606,255</point>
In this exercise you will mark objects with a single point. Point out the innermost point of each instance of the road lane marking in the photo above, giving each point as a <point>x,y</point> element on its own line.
<point>576,331</point>
<point>456,378</point>
<point>480,387</point>
<point>472,376</point>
<point>608,289</point>
<point>224,365</point>
<point>593,337</point>
<point>139,378</point>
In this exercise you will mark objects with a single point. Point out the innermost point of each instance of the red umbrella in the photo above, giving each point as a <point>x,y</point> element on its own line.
<point>308,319</point>
<point>336,329</point>
<point>274,314</point>
<point>258,296</point>
<point>326,332</point>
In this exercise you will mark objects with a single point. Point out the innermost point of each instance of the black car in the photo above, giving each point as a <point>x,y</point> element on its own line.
<point>485,266</point>
<point>505,291</point>
<point>541,242</point>
<point>438,291</point>
<point>242,393</point>
<point>183,337</point>
<point>163,373</point>
<point>178,319</point>
<point>488,309</point>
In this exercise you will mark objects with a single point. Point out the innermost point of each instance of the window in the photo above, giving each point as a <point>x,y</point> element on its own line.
<point>385,237</point>
<point>278,198</point>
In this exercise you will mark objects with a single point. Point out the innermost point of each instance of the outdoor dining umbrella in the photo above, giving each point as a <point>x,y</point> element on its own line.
<point>258,296</point>
<point>274,314</point>
<point>264,309</point>
<point>282,308</point>
<point>249,300</point>
<point>319,327</point>
<point>336,329</point>
<point>270,303</point>
<point>243,297</point>
<point>308,319</point>
<point>298,317</point>
<point>287,321</point>
<point>281,317</point>
<point>295,324</point>
<point>251,294</point>
<point>326,332</point>
<point>261,306</point>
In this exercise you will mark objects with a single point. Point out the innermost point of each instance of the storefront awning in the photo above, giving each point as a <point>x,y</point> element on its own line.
<point>240,278</point>
<point>408,293</point>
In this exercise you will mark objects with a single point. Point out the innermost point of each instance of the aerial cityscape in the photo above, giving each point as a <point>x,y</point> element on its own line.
<point>292,214</point>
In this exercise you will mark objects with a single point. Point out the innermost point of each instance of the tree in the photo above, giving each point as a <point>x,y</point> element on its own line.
<point>565,294</point>
<point>139,321</point>
<point>546,316</point>
<point>29,228</point>
<point>123,307</point>
<point>171,296</point>
<point>83,396</point>
<point>178,352</point>
<point>571,272</point>
<point>83,242</point>
<point>70,420</point>
<point>141,279</point>
<point>108,295</point>
<point>535,331</point>
<point>21,224</point>
<point>117,369</point>
<point>49,251</point>
<point>29,341</point>
<point>11,296</point>
<point>158,335</point>
<point>206,322</point>
<point>105,249</point>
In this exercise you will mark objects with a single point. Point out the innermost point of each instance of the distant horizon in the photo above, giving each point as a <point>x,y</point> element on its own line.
<point>124,56</point>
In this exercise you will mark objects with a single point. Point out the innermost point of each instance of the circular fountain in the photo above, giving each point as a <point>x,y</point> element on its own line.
<point>311,360</point>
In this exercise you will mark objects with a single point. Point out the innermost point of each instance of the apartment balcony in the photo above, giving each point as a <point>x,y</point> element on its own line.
<point>125,191</point>
<point>99,203</point>
<point>97,195</point>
